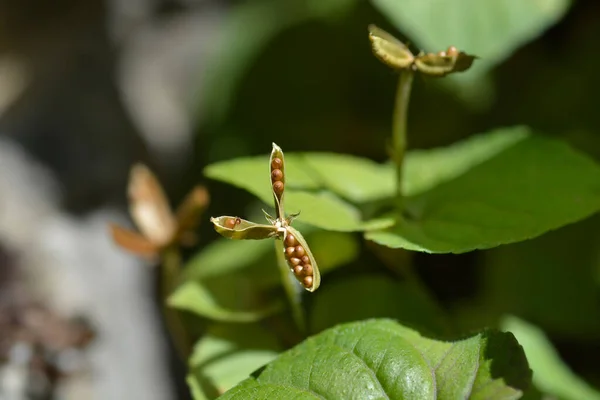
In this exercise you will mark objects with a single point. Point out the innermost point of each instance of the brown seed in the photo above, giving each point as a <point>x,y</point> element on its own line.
<point>278,187</point>
<point>307,270</point>
<point>452,51</point>
<point>289,251</point>
<point>305,260</point>
<point>290,240</point>
<point>276,163</point>
<point>307,281</point>
<point>300,251</point>
<point>276,175</point>
<point>298,270</point>
<point>230,223</point>
<point>294,261</point>
<point>441,54</point>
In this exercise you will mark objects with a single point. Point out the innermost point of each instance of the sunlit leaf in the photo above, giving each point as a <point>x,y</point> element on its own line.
<point>195,297</point>
<point>530,187</point>
<point>227,354</point>
<point>550,374</point>
<point>378,359</point>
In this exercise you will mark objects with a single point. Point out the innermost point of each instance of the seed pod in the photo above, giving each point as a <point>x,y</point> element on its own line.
<point>390,50</point>
<point>443,63</point>
<point>308,275</point>
<point>237,228</point>
<point>277,169</point>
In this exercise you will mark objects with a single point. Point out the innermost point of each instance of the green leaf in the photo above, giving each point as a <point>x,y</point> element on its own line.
<point>375,296</point>
<point>227,354</point>
<point>356,179</point>
<point>321,209</point>
<point>530,187</point>
<point>195,297</point>
<point>379,359</point>
<point>226,255</point>
<point>550,374</point>
<point>492,30</point>
<point>426,169</point>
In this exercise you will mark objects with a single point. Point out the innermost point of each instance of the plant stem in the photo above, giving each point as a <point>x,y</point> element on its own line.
<point>399,135</point>
<point>171,263</point>
<point>291,289</point>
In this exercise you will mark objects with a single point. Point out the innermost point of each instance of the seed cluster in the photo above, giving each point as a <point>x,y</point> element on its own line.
<point>298,260</point>
<point>277,176</point>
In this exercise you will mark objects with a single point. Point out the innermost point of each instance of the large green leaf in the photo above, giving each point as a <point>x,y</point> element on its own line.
<point>550,374</point>
<point>194,296</point>
<point>530,187</point>
<point>354,178</point>
<point>375,296</point>
<point>227,354</point>
<point>490,29</point>
<point>361,180</point>
<point>380,359</point>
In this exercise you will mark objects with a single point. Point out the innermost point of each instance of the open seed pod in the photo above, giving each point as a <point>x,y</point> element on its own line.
<point>237,228</point>
<point>390,50</point>
<point>443,63</point>
<point>277,176</point>
<point>300,260</point>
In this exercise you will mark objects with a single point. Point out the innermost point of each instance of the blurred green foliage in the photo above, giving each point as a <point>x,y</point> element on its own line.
<point>300,73</point>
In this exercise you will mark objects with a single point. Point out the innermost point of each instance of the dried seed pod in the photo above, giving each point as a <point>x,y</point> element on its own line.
<point>308,275</point>
<point>277,169</point>
<point>443,64</point>
<point>237,228</point>
<point>390,50</point>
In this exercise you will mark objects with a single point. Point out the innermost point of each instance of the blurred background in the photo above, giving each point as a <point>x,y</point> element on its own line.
<point>89,88</point>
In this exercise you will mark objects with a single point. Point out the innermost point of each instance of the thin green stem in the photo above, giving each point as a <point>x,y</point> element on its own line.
<point>291,290</point>
<point>170,266</point>
<point>399,135</point>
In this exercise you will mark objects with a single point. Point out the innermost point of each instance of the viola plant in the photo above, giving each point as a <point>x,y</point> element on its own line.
<point>351,339</point>
<point>297,253</point>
